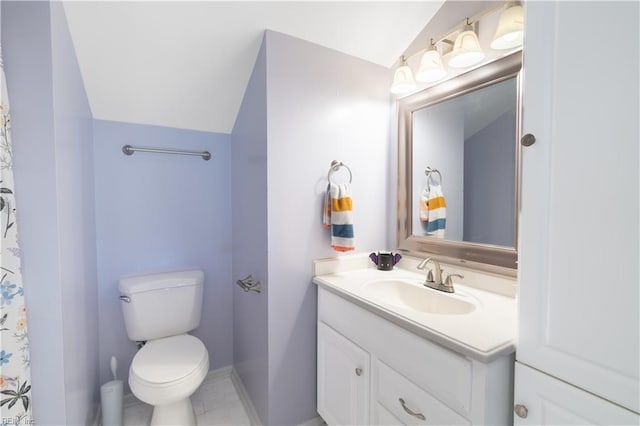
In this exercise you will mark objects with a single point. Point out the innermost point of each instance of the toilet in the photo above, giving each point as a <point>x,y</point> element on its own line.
<point>160,309</point>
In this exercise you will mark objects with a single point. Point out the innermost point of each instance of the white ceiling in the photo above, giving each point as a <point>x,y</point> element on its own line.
<point>186,64</point>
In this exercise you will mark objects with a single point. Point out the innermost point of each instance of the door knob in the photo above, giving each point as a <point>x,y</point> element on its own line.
<point>521,411</point>
<point>358,371</point>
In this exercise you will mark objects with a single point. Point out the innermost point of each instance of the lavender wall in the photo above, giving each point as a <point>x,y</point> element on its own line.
<point>52,164</point>
<point>489,182</point>
<point>157,212</point>
<point>76,225</point>
<point>321,105</point>
<point>249,171</point>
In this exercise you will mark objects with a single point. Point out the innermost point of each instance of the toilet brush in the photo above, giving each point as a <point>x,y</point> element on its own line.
<point>114,367</point>
<point>111,396</point>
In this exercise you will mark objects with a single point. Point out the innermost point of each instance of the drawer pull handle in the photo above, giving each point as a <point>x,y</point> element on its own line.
<point>411,412</point>
<point>521,411</point>
<point>358,371</point>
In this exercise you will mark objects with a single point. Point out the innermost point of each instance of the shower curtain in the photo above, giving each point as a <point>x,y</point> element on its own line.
<point>15,380</point>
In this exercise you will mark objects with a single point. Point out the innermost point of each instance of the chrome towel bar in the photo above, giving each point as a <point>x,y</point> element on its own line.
<point>129,150</point>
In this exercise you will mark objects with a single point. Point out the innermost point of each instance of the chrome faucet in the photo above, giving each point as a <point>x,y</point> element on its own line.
<point>434,277</point>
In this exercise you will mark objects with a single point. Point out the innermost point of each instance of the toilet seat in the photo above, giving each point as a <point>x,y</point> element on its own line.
<point>168,369</point>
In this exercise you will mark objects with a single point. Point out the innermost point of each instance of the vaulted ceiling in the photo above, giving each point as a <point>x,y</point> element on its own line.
<point>186,64</point>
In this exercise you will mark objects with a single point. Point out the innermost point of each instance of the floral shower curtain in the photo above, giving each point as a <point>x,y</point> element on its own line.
<point>15,380</point>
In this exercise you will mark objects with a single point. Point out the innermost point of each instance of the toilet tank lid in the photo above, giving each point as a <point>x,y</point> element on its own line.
<point>159,280</point>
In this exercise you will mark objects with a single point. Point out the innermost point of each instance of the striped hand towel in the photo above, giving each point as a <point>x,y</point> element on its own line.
<point>340,216</point>
<point>326,208</point>
<point>433,211</point>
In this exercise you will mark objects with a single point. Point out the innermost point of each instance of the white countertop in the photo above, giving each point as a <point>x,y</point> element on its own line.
<point>485,333</point>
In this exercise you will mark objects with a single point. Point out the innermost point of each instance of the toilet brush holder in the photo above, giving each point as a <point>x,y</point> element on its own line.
<point>111,399</point>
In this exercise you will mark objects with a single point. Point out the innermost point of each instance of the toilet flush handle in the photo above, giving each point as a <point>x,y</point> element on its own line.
<point>126,299</point>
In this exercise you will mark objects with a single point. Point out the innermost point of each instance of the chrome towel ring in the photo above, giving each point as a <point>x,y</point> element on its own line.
<point>335,166</point>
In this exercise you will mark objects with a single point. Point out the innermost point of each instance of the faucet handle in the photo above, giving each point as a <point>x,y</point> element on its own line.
<point>430,276</point>
<point>449,280</point>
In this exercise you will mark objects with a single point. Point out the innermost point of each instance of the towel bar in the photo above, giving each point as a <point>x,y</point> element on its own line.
<point>129,150</point>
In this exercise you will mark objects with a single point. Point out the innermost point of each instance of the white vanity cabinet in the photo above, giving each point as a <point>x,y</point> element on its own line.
<point>372,371</point>
<point>579,293</point>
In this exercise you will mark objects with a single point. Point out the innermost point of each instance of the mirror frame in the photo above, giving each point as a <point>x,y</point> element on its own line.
<point>483,256</point>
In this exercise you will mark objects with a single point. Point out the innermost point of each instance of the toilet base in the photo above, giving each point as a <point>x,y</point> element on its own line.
<point>178,413</point>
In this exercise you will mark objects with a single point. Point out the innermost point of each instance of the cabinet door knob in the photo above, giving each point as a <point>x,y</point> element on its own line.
<point>528,140</point>
<point>410,411</point>
<point>521,411</point>
<point>358,371</point>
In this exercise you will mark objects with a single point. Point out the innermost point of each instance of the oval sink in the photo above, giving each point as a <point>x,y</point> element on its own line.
<point>418,298</point>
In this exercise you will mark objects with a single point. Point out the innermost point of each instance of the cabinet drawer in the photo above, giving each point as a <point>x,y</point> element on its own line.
<point>389,387</point>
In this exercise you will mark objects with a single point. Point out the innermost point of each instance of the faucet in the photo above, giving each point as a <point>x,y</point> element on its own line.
<point>434,277</point>
<point>437,279</point>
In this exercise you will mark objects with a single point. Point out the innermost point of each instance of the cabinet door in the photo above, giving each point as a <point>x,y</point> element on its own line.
<point>343,379</point>
<point>550,401</point>
<point>578,253</point>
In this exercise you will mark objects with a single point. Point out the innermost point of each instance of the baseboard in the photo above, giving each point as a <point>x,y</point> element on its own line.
<point>244,397</point>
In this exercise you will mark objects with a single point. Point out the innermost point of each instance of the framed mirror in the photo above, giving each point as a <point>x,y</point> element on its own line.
<point>459,167</point>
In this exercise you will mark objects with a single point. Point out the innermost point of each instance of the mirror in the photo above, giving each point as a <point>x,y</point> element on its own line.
<point>459,167</point>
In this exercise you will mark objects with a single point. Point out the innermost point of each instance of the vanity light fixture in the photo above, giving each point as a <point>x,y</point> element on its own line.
<point>466,49</point>
<point>510,31</point>
<point>403,81</point>
<point>431,69</point>
<point>460,48</point>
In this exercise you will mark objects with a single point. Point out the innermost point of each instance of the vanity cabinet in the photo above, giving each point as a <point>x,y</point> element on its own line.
<point>578,270</point>
<point>372,371</point>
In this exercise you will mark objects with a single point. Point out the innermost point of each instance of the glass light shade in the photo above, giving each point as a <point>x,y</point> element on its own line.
<point>510,31</point>
<point>431,68</point>
<point>466,50</point>
<point>403,81</point>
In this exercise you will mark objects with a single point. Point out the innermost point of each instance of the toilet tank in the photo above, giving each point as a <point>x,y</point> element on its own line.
<point>161,304</point>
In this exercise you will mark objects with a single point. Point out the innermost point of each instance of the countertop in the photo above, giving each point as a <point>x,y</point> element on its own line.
<point>484,334</point>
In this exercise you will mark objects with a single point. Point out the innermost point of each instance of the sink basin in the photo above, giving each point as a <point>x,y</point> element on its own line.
<point>407,295</point>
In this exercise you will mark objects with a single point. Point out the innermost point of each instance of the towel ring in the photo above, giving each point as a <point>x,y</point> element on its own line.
<point>429,171</point>
<point>335,166</point>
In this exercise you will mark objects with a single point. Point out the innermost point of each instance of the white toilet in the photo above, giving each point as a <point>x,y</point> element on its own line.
<point>160,309</point>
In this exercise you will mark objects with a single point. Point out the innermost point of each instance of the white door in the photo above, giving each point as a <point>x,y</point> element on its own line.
<point>343,379</point>
<point>578,254</point>
<point>549,401</point>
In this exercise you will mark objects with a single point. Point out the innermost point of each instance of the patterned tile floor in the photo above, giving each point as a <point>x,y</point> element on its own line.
<point>216,402</point>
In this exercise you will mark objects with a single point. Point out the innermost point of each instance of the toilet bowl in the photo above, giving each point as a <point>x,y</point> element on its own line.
<point>160,309</point>
<point>165,373</point>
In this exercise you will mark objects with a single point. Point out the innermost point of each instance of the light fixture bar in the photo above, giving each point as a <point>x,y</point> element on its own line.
<point>449,37</point>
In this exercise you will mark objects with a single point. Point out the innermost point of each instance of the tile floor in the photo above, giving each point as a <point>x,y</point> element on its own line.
<point>216,402</point>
